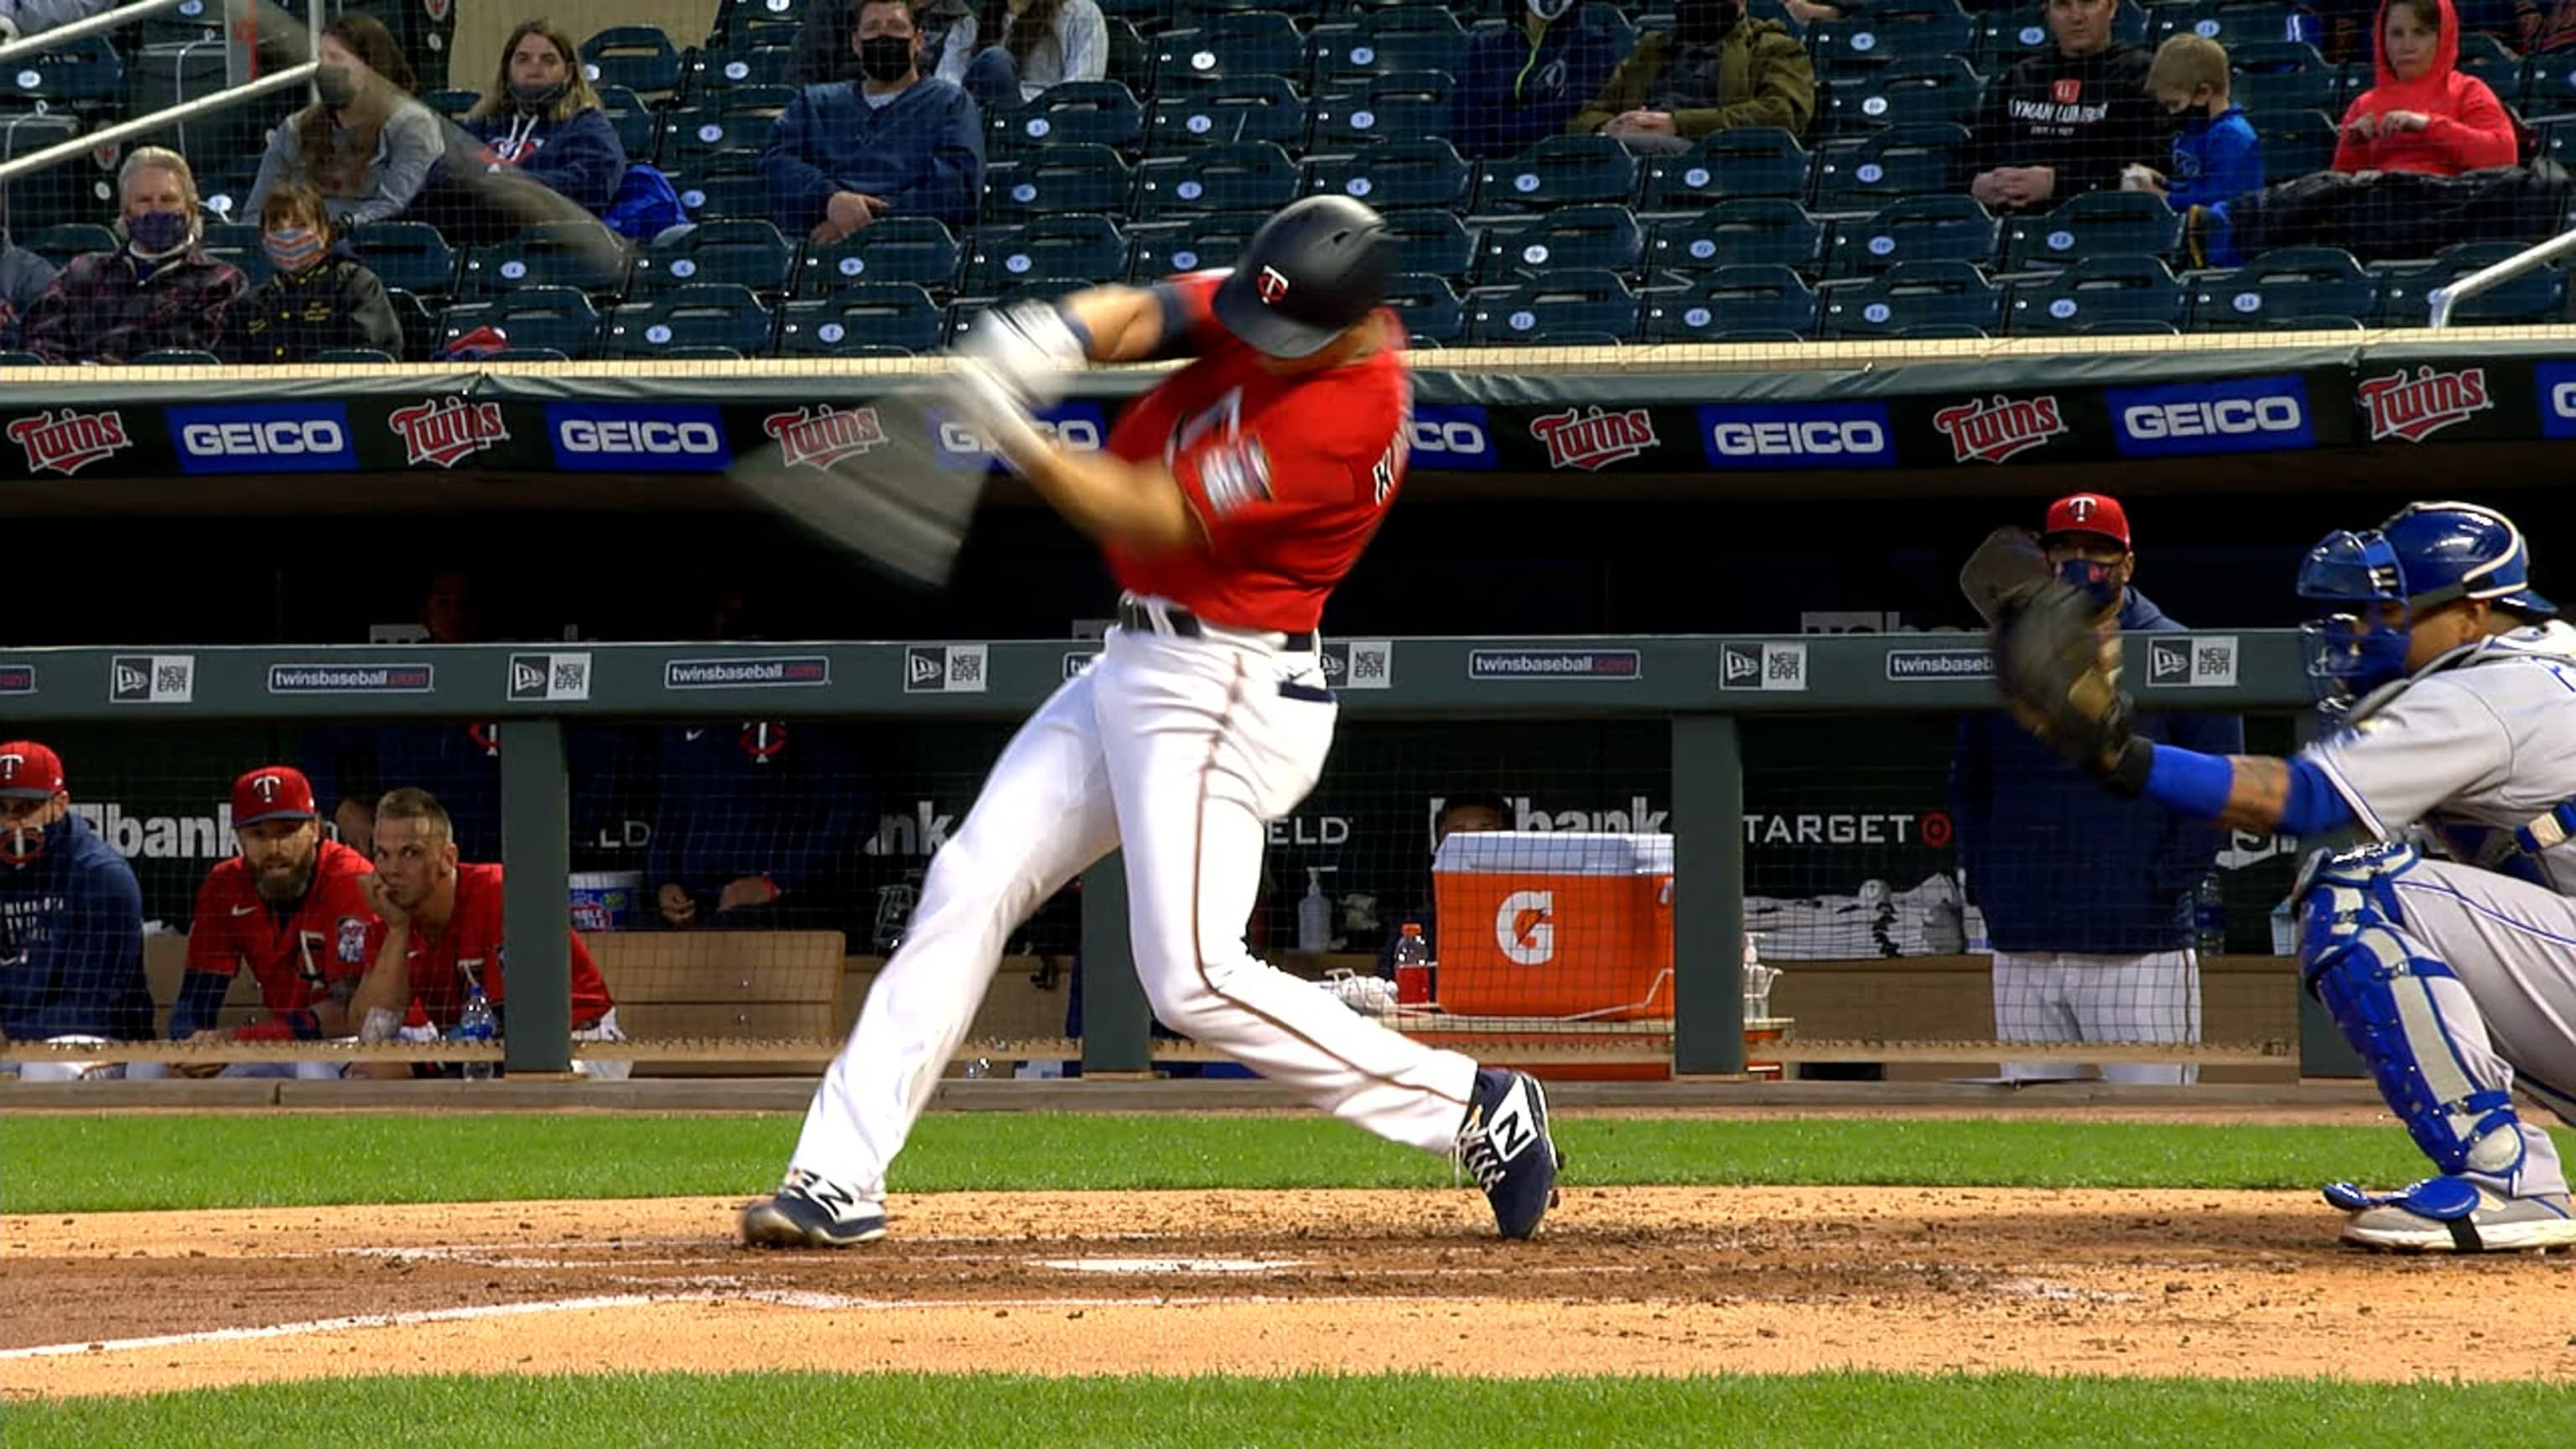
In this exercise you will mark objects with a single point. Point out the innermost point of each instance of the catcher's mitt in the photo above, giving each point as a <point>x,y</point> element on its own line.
<point>2059,670</point>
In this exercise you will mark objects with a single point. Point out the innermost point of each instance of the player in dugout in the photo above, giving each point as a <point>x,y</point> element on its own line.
<point>293,908</point>
<point>438,937</point>
<point>71,924</point>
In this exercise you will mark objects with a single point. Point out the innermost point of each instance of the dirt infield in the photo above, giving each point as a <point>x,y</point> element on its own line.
<point>1637,1280</point>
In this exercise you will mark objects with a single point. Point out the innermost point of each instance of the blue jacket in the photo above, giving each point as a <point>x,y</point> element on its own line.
<point>753,798</point>
<point>922,152</point>
<point>2056,863</point>
<point>579,158</point>
<point>2215,159</point>
<point>1512,94</point>
<point>71,942</point>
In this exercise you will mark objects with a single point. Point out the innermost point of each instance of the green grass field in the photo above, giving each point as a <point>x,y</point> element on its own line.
<point>100,1163</point>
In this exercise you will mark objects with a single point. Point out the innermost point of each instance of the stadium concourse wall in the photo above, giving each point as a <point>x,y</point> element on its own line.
<point>1701,685</point>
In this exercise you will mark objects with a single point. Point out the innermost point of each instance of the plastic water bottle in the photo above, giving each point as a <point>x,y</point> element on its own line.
<point>475,1026</point>
<point>2209,917</point>
<point>1413,982</point>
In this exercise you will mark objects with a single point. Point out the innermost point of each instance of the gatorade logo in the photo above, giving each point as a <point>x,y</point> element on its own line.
<point>1524,929</point>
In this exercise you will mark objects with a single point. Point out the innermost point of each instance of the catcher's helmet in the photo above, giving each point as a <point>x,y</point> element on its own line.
<point>2424,556</point>
<point>1312,271</point>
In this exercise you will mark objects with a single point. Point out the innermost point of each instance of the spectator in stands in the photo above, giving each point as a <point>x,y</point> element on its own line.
<point>2540,28</point>
<point>2068,120</point>
<point>1033,44</point>
<point>293,908</point>
<point>2216,154</point>
<point>314,299</point>
<point>2424,115</point>
<point>2087,898</point>
<point>1521,84</point>
<point>540,119</point>
<point>366,145</point>
<point>71,922</point>
<point>24,276</point>
<point>22,18</point>
<point>155,291</point>
<point>895,143</point>
<point>1715,70</point>
<point>1458,813</point>
<point>438,935</point>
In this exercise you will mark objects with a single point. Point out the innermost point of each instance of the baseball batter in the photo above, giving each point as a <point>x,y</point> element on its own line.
<point>2455,690</point>
<point>1229,501</point>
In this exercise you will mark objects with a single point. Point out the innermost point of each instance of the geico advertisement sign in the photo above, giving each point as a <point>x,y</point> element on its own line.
<point>664,438</point>
<point>2242,415</point>
<point>1774,436</point>
<point>262,438</point>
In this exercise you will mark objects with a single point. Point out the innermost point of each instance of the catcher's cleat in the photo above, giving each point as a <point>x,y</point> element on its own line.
<point>1505,1145</point>
<point>2453,1215</point>
<point>807,1212</point>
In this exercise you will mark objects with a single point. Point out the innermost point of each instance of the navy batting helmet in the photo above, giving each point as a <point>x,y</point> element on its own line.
<point>1306,276</point>
<point>2424,556</point>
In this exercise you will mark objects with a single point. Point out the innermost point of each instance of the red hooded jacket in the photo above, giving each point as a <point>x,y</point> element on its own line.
<point>2469,127</point>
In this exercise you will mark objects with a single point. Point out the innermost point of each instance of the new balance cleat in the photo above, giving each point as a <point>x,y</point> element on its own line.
<point>808,1212</point>
<point>2453,1215</point>
<point>1505,1145</point>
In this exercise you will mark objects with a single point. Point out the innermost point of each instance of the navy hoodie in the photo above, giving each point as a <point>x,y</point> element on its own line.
<point>1511,94</point>
<point>2057,863</point>
<point>71,942</point>
<point>579,157</point>
<point>921,152</point>
<point>753,798</point>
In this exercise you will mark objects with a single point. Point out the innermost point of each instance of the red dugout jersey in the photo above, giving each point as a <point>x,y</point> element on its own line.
<point>468,950</point>
<point>294,953</point>
<point>1289,476</point>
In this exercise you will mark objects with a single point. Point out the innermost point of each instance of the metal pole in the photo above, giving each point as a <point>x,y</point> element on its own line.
<point>80,146</point>
<point>2451,294</point>
<point>45,40</point>
<point>536,846</point>
<point>1708,896</point>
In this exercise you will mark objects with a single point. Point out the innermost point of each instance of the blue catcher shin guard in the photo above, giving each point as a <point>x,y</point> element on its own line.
<point>2376,980</point>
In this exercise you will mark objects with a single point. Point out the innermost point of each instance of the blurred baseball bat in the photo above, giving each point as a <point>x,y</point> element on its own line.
<point>873,480</point>
<point>2009,558</point>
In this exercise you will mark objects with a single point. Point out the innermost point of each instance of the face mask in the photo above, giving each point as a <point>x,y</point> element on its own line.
<point>540,97</point>
<point>335,85</point>
<point>1705,22</point>
<point>292,248</point>
<point>2093,579</point>
<point>21,844</point>
<point>886,58</point>
<point>1550,10</point>
<point>156,233</point>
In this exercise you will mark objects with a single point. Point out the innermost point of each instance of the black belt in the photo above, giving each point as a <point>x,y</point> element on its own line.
<point>1184,624</point>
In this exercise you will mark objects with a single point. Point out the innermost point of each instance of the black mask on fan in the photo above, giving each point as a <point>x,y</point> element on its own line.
<point>1705,22</point>
<point>886,58</point>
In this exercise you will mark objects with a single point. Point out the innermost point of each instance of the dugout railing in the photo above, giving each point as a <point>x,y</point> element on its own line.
<point>1702,689</point>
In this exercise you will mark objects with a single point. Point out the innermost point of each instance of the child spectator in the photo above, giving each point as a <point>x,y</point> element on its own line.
<point>367,145</point>
<point>2215,154</point>
<point>897,143</point>
<point>1009,51</point>
<point>1523,83</point>
<point>540,119</point>
<point>155,291</point>
<point>2424,115</point>
<point>314,300</point>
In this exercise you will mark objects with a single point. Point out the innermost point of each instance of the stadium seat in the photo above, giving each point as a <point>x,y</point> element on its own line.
<point>1228,112</point>
<point>963,316</point>
<point>638,57</point>
<point>1398,174</point>
<point>1887,34</point>
<point>2289,288</point>
<point>876,315</point>
<point>578,254</point>
<point>1192,245</point>
<point>2098,292</point>
<point>632,118</point>
<point>743,252</point>
<point>1758,230</point>
<point>916,249</point>
<point>175,357</point>
<point>1428,239</point>
<point>59,243</point>
<point>1055,182</point>
<point>1726,166</point>
<point>766,58</point>
<point>1916,229</point>
<point>1071,247</point>
<point>1223,47</point>
<point>689,135</point>
<point>1757,298</point>
<point>2295,143</point>
<point>1405,106</point>
<point>1199,12</point>
<point>2406,289</point>
<point>734,17</point>
<point>2232,23</point>
<point>368,356</point>
<point>1075,113</point>
<point>193,20</point>
<point>453,102</point>
<point>1416,38</point>
<point>2005,36</point>
<point>1914,295</point>
<point>2282,75</point>
<point>407,254</point>
<point>1917,90</point>
<point>705,314</point>
<point>1131,60</point>
<point>1429,306</point>
<point>2092,224</point>
<point>420,326</point>
<point>1559,171</point>
<point>2549,83</point>
<point>76,74</point>
<point>237,243</point>
<point>1543,313</point>
<point>2484,56</point>
<point>1249,176</point>
<point>726,184</point>
<point>1603,237</point>
<point>60,195</point>
<point>1897,162</point>
<point>558,318</point>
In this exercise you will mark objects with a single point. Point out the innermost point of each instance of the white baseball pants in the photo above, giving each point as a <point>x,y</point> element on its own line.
<point>2077,997</point>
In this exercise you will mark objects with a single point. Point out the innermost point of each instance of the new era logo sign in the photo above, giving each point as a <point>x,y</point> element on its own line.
<point>2191,661</point>
<point>549,677</point>
<point>944,668</point>
<point>17,679</point>
<point>1762,664</point>
<point>1370,664</point>
<point>152,679</point>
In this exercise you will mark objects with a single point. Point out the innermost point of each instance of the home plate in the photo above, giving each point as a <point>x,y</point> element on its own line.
<point>1170,1265</point>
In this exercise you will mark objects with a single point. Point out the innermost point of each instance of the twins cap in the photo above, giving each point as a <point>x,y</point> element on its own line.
<point>272,792</point>
<point>29,771</point>
<point>2089,513</point>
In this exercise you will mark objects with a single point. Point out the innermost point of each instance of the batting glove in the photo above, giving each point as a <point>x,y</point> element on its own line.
<point>991,409</point>
<point>1030,349</point>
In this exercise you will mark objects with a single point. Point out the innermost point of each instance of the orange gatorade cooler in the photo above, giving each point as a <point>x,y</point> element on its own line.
<point>1555,923</point>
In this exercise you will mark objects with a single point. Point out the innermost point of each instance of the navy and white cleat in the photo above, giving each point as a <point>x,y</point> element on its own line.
<point>807,1212</point>
<point>2453,1215</point>
<point>1505,1145</point>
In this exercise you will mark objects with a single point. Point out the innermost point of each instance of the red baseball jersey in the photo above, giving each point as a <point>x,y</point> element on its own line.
<point>468,950</point>
<point>1289,476</point>
<point>293,952</point>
